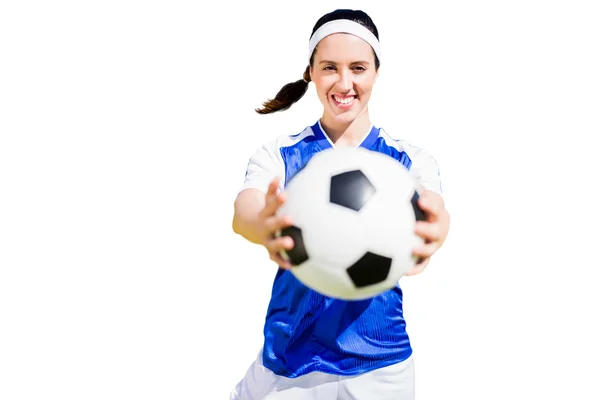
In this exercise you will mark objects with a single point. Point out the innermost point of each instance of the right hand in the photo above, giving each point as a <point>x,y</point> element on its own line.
<point>269,223</point>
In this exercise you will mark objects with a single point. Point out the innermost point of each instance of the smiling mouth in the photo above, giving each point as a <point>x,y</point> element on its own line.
<point>343,101</point>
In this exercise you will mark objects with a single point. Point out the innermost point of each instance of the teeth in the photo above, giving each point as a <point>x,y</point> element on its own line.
<point>347,100</point>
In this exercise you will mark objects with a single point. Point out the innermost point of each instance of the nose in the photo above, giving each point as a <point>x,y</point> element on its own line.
<point>345,80</point>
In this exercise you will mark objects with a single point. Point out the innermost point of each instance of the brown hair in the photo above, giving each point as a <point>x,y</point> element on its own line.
<point>293,91</point>
<point>287,95</point>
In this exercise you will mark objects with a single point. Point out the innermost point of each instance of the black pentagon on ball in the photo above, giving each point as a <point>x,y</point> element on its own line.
<point>419,213</point>
<point>298,253</point>
<point>351,189</point>
<point>369,270</point>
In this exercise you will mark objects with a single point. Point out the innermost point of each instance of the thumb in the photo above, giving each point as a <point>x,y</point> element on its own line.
<point>273,199</point>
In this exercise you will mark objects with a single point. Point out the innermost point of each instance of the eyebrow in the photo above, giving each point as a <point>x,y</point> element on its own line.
<point>333,62</point>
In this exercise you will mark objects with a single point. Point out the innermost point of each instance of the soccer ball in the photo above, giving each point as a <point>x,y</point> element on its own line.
<point>354,212</point>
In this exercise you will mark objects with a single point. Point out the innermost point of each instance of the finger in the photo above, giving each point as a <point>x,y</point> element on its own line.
<point>277,222</point>
<point>432,203</point>
<point>429,231</point>
<point>272,204</point>
<point>280,243</point>
<point>280,261</point>
<point>273,186</point>
<point>277,247</point>
<point>272,189</point>
<point>418,268</point>
<point>425,250</point>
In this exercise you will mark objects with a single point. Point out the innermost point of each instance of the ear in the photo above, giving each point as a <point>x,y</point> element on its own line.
<point>376,76</point>
<point>310,72</point>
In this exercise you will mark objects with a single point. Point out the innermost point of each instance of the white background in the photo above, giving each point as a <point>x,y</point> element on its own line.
<point>125,130</point>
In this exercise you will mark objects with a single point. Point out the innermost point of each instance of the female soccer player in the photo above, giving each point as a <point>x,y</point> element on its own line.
<point>317,347</point>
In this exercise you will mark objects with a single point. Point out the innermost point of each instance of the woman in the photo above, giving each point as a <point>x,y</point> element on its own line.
<point>317,347</point>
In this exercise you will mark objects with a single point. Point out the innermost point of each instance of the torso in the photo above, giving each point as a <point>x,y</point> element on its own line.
<point>306,331</point>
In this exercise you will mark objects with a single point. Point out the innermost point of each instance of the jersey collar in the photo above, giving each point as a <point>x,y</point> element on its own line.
<point>325,143</point>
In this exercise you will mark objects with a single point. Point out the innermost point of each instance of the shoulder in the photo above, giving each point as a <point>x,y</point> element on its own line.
<point>270,152</point>
<point>419,156</point>
<point>267,160</point>
<point>288,140</point>
<point>424,166</point>
<point>272,149</point>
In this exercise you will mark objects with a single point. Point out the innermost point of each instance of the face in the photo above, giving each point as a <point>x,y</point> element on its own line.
<point>343,72</point>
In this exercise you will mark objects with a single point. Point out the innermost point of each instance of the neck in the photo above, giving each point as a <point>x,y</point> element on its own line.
<point>346,133</point>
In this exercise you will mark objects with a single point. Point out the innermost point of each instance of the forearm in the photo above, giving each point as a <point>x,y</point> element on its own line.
<point>247,207</point>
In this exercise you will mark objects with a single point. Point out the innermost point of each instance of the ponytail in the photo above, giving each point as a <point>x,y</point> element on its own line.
<point>287,95</point>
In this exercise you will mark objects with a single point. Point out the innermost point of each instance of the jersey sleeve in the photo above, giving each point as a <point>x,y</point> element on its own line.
<point>264,164</point>
<point>426,171</point>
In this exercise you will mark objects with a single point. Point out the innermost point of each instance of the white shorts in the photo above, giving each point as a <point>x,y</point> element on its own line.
<point>395,382</point>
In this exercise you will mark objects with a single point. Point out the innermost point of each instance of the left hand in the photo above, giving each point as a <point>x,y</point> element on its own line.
<point>433,231</point>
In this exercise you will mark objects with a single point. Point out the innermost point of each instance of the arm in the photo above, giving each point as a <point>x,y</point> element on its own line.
<point>426,171</point>
<point>435,229</point>
<point>256,205</point>
<point>247,207</point>
<point>264,166</point>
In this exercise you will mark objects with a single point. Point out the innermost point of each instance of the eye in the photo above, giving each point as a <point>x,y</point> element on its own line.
<point>359,68</point>
<point>329,68</point>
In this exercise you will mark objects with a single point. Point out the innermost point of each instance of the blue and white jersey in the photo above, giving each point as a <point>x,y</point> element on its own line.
<point>304,330</point>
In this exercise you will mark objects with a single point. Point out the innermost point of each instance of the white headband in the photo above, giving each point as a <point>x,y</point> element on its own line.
<point>344,26</point>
